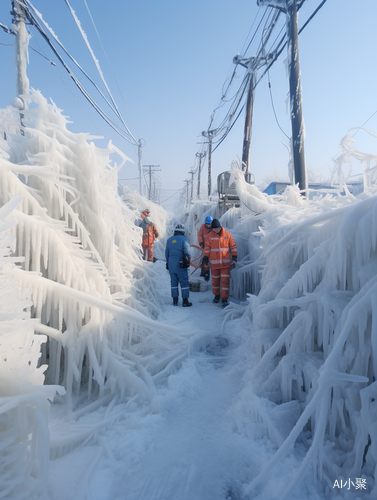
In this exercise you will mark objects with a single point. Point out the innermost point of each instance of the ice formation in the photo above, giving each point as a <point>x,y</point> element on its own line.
<point>73,274</point>
<point>311,266</point>
<point>24,405</point>
<point>88,296</point>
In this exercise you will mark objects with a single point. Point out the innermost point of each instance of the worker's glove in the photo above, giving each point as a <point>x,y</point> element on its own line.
<point>205,260</point>
<point>233,265</point>
<point>184,263</point>
<point>201,244</point>
<point>167,266</point>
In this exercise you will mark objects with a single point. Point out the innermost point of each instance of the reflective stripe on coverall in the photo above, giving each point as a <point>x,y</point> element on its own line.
<point>148,241</point>
<point>219,249</point>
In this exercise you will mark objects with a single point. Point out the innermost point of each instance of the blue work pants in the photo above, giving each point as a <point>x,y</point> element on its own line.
<point>179,275</point>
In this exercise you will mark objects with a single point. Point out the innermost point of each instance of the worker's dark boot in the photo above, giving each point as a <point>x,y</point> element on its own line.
<point>206,275</point>
<point>224,302</point>
<point>216,299</point>
<point>186,303</point>
<point>175,301</point>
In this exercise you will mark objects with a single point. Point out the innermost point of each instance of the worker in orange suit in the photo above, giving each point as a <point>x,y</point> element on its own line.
<point>144,213</point>
<point>202,236</point>
<point>221,252</point>
<point>150,233</point>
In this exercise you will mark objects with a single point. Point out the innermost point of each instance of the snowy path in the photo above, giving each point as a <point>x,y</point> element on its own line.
<point>187,449</point>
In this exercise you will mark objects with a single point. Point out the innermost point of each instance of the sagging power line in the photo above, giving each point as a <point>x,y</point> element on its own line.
<point>23,11</point>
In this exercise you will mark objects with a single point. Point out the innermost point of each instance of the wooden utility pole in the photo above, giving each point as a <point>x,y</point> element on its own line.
<point>200,156</point>
<point>248,120</point>
<point>140,155</point>
<point>290,8</point>
<point>253,64</point>
<point>209,134</point>
<point>295,98</point>
<point>155,169</point>
<point>192,184</point>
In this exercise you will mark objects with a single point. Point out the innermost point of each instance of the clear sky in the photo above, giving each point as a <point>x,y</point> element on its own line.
<point>169,60</point>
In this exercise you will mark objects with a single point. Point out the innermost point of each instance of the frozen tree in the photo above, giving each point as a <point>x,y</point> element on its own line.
<point>348,155</point>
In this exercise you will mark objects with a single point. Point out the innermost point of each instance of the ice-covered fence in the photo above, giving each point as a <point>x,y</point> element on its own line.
<point>24,407</point>
<point>313,333</point>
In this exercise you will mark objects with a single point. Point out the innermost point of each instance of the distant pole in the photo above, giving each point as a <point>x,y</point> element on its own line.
<point>200,156</point>
<point>155,169</point>
<point>295,97</point>
<point>192,184</point>
<point>139,147</point>
<point>209,165</point>
<point>187,184</point>
<point>209,134</point>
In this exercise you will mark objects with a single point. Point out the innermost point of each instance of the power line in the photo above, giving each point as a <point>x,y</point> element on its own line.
<point>85,38</point>
<point>273,107</point>
<point>175,194</point>
<point>274,56</point>
<point>34,21</point>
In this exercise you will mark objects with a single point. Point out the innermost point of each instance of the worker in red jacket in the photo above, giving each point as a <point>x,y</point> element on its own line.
<point>221,252</point>
<point>202,236</point>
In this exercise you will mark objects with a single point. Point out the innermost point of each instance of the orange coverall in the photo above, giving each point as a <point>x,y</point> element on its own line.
<point>148,242</point>
<point>202,237</point>
<point>219,249</point>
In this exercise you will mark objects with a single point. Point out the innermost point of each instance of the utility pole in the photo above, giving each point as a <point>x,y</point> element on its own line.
<point>140,156</point>
<point>247,127</point>
<point>200,156</point>
<point>250,65</point>
<point>187,184</point>
<point>295,98</point>
<point>22,40</point>
<point>209,134</point>
<point>155,169</point>
<point>192,184</point>
<point>290,8</point>
<point>253,64</point>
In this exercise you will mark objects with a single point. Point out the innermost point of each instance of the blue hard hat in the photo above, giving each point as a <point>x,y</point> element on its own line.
<point>208,220</point>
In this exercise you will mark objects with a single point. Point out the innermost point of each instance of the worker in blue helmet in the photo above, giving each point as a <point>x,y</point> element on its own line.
<point>202,236</point>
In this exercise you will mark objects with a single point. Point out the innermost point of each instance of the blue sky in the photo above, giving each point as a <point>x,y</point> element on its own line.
<point>169,61</point>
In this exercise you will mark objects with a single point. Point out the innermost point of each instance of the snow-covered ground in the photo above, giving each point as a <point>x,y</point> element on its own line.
<point>187,446</point>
